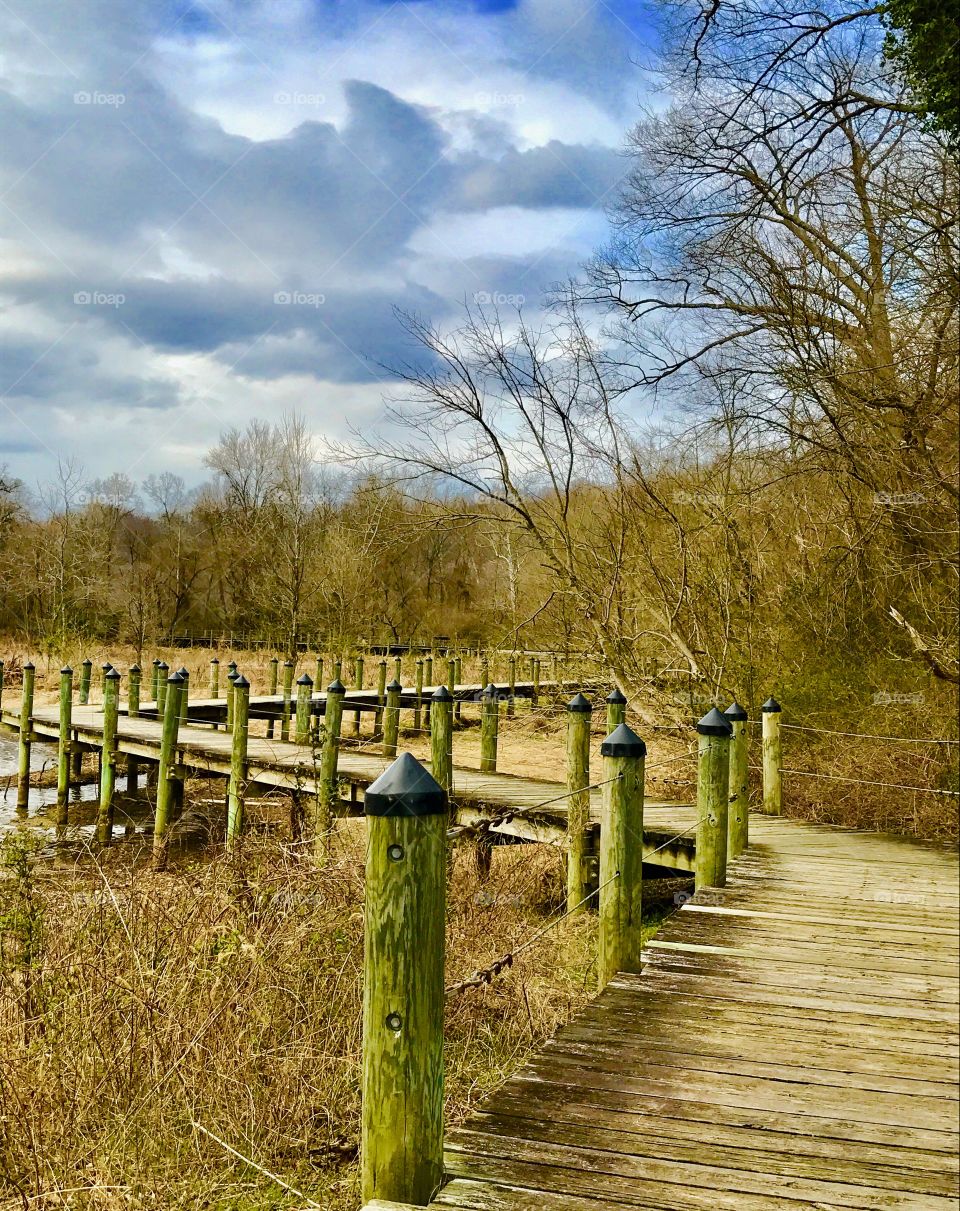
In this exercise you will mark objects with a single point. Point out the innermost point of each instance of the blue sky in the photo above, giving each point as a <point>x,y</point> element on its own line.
<point>209,210</point>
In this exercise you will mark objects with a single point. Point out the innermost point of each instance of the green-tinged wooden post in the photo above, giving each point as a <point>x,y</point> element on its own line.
<point>484,670</point>
<point>26,739</point>
<point>64,747</point>
<point>771,759</point>
<point>154,678</point>
<point>288,671</point>
<point>579,713</point>
<point>108,763</point>
<point>738,815</point>
<point>184,694</point>
<point>381,698</point>
<point>391,719</point>
<point>441,737</point>
<point>398,669</point>
<point>512,674</point>
<point>621,854</point>
<point>272,686</point>
<point>167,777</point>
<point>401,1148</point>
<point>616,710</point>
<point>418,700</point>
<point>318,675</point>
<point>337,669</point>
<point>134,678</point>
<point>489,726</point>
<point>327,793</point>
<point>358,684</point>
<point>237,786</point>
<point>457,680</point>
<point>104,670</point>
<point>160,698</point>
<point>215,678</point>
<point>428,680</point>
<point>232,676</point>
<point>304,700</point>
<point>86,669</point>
<point>713,793</point>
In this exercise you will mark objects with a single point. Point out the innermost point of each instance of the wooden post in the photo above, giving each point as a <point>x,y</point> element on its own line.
<point>108,762</point>
<point>304,699</point>
<point>358,684</point>
<point>104,670</point>
<point>441,737</point>
<point>771,758</point>
<point>232,676</point>
<point>337,669</point>
<point>64,747</point>
<point>484,670</point>
<point>398,670</point>
<point>155,679</point>
<point>512,667</point>
<point>713,793</point>
<point>163,670</point>
<point>237,786</point>
<point>418,689</point>
<point>401,1150</point>
<point>457,680</point>
<point>272,684</point>
<point>391,719</point>
<point>535,678</point>
<point>184,693</point>
<point>134,676</point>
<point>381,698</point>
<point>428,676</point>
<point>616,709</point>
<point>26,738</point>
<point>579,712</point>
<point>288,670</point>
<point>738,816</point>
<point>489,727</point>
<point>85,670</point>
<point>215,679</point>
<point>327,795</point>
<point>318,675</point>
<point>166,790</point>
<point>621,854</point>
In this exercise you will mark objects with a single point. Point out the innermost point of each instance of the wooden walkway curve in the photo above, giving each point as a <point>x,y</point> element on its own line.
<point>792,1042</point>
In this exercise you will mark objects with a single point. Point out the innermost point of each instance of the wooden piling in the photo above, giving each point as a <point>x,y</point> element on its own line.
<point>428,679</point>
<point>86,669</point>
<point>184,693</point>
<point>160,698</point>
<point>738,812</point>
<point>237,785</point>
<point>327,792</point>
<point>441,737</point>
<point>489,727</point>
<point>579,713</point>
<point>381,698</point>
<point>104,670</point>
<point>404,892</point>
<point>318,675</point>
<point>272,689</point>
<point>418,689</point>
<point>108,761</point>
<point>616,709</point>
<point>25,739</point>
<point>457,680</point>
<point>64,747</point>
<point>155,680</point>
<point>166,789</point>
<point>713,792</point>
<point>215,678</point>
<point>304,699</point>
<point>512,674</point>
<point>288,671</point>
<point>232,676</point>
<point>771,759</point>
<point>398,669</point>
<point>485,670</point>
<point>134,675</point>
<point>391,719</point>
<point>620,942</point>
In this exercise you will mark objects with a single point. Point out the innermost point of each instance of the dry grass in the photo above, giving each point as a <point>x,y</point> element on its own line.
<point>227,994</point>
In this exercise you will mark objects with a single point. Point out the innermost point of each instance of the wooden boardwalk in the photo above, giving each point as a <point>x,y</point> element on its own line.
<point>792,1042</point>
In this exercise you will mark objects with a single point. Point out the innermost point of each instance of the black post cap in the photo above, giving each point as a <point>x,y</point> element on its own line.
<point>441,694</point>
<point>174,679</point>
<point>336,687</point>
<point>163,665</point>
<point>29,665</point>
<point>394,686</point>
<point>489,691</point>
<point>274,660</point>
<point>288,664</point>
<point>156,662</point>
<point>306,679</point>
<point>623,741</point>
<point>183,671</point>
<point>89,662</point>
<point>579,705</point>
<point>66,671</point>
<point>107,665</point>
<point>735,712</point>
<point>771,707</point>
<point>616,698</point>
<point>714,724</point>
<point>232,664</point>
<point>215,660</point>
<point>405,789</point>
<point>134,668</point>
<point>240,682</point>
<point>113,675</point>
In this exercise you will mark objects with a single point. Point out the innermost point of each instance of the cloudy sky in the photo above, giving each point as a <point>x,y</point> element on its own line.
<point>210,209</point>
